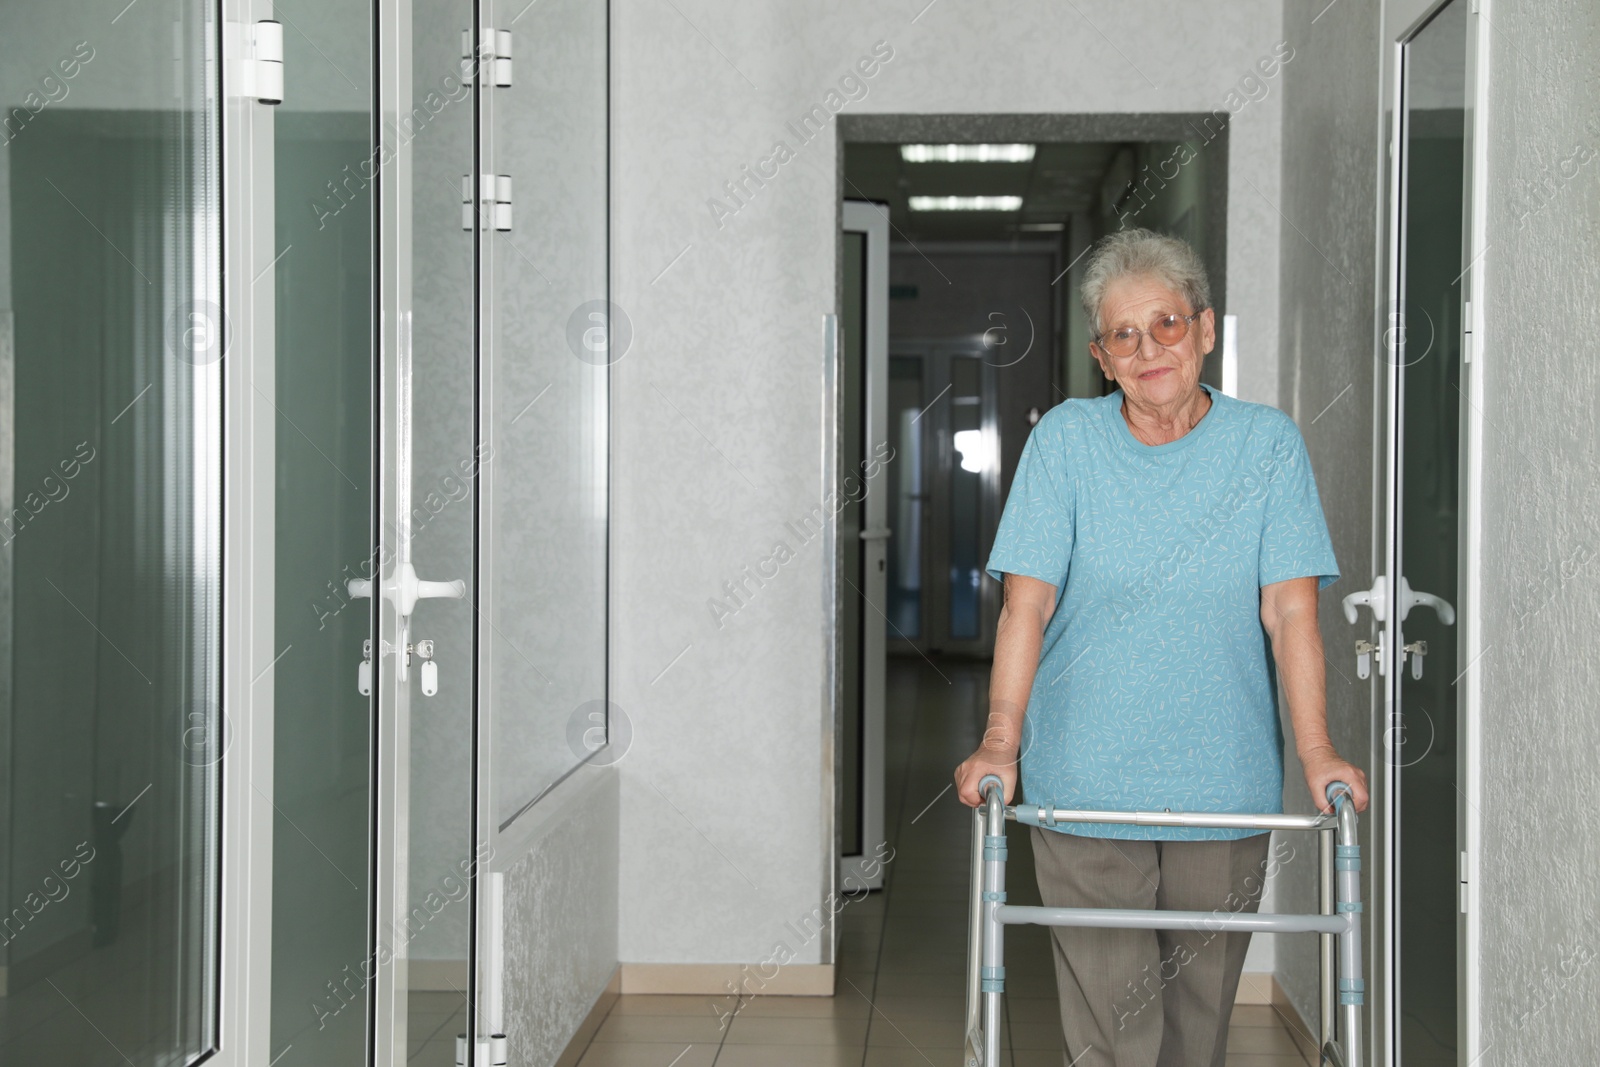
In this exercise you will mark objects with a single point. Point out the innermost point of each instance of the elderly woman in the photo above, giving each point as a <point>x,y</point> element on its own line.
<point>1156,542</point>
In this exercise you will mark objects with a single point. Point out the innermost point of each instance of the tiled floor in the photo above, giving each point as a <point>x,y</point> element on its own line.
<point>900,995</point>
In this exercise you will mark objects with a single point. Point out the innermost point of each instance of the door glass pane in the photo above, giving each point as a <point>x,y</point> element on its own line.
<point>321,392</point>
<point>908,495</point>
<point>1426,751</point>
<point>969,460</point>
<point>439,528</point>
<point>111,348</point>
<point>852,520</point>
<point>552,340</point>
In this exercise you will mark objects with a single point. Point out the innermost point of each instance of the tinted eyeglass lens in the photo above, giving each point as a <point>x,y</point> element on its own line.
<point>1123,341</point>
<point>1169,329</point>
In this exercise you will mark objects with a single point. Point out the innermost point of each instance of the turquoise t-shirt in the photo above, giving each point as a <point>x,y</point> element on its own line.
<point>1155,688</point>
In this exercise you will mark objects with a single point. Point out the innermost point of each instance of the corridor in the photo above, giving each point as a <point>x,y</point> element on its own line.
<point>899,1001</point>
<point>511,512</point>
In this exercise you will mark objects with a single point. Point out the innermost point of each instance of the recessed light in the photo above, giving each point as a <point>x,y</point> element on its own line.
<point>967,153</point>
<point>965,203</point>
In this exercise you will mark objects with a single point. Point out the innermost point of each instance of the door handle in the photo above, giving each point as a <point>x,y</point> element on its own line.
<point>404,589</point>
<point>1376,598</point>
<point>875,533</point>
<point>1409,599</point>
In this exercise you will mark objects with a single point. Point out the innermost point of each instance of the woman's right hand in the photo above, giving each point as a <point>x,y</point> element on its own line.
<point>998,760</point>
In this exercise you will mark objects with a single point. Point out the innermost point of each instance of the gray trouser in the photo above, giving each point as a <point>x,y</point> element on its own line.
<point>1148,998</point>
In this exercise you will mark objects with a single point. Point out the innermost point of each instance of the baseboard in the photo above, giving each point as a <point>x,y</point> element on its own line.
<point>721,979</point>
<point>579,1043</point>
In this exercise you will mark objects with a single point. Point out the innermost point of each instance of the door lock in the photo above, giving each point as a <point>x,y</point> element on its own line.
<point>1364,651</point>
<point>430,669</point>
<point>403,589</point>
<point>1417,649</point>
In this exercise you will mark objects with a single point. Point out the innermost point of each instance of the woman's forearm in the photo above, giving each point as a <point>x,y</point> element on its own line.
<point>1018,639</point>
<point>1290,617</point>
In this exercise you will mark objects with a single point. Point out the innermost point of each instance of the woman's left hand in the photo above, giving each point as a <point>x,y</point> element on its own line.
<point>1323,767</point>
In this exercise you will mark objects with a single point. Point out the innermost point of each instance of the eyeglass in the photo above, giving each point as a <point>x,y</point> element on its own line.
<point>1166,331</point>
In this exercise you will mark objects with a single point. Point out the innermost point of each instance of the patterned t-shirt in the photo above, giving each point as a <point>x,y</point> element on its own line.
<point>1155,687</point>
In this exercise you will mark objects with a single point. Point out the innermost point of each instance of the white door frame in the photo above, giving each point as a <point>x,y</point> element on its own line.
<point>1402,19</point>
<point>244,930</point>
<point>872,221</point>
<point>392,427</point>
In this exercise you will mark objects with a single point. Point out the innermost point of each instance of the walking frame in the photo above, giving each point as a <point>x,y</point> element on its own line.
<point>1339,922</point>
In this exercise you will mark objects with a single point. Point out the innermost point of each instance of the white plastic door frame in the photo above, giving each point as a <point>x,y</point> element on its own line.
<point>865,870</point>
<point>249,579</point>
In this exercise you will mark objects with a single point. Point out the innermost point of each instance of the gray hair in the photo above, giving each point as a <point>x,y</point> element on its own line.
<point>1143,253</point>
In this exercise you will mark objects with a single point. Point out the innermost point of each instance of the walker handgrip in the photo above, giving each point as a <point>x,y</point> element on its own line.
<point>984,782</point>
<point>1336,790</point>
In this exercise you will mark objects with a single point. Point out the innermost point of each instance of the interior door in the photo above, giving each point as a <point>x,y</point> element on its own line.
<point>1422,787</point>
<point>866,450</point>
<point>946,482</point>
<point>376,466</point>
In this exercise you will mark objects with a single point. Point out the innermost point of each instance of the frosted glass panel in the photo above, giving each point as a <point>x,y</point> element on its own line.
<point>554,339</point>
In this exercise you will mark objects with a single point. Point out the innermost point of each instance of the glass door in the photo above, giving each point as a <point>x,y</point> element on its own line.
<point>944,399</point>
<point>320,397</point>
<point>376,458</point>
<point>111,723</point>
<point>1422,739</point>
<point>548,339</point>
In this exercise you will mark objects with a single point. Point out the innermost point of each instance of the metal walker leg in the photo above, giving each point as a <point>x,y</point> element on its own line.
<point>1338,920</point>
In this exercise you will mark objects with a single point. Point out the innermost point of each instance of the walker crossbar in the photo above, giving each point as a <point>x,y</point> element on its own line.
<point>1339,922</point>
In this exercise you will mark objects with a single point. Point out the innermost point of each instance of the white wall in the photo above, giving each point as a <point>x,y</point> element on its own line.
<point>718,405</point>
<point>1326,382</point>
<point>1541,511</point>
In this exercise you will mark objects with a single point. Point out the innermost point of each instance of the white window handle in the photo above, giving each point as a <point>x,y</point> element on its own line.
<point>404,589</point>
<point>1410,599</point>
<point>1376,598</point>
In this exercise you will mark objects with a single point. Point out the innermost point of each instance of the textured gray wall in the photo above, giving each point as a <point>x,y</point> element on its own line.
<point>718,405</point>
<point>1541,511</point>
<point>560,914</point>
<point>1330,187</point>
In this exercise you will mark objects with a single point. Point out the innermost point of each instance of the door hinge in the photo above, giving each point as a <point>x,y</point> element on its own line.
<point>493,58</point>
<point>260,61</point>
<point>1466,330</point>
<point>1464,882</point>
<point>492,208</point>
<point>489,1052</point>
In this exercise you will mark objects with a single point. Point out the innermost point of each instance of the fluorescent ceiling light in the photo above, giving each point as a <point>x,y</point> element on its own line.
<point>967,153</point>
<point>1042,227</point>
<point>965,203</point>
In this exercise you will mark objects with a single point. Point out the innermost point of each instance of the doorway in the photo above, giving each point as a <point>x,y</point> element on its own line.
<point>987,221</point>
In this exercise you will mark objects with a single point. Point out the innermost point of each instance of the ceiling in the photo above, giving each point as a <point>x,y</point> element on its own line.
<point>1060,179</point>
